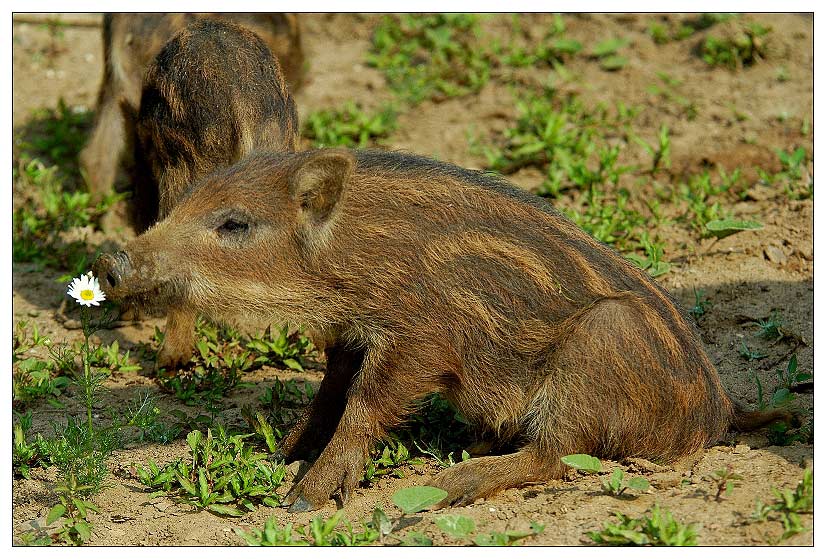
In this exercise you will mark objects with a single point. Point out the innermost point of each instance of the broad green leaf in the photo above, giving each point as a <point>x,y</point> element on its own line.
<point>293,364</point>
<point>187,485</point>
<point>225,510</point>
<point>569,46</point>
<point>194,439</point>
<point>639,484</point>
<point>381,522</point>
<point>416,539</point>
<point>83,530</point>
<point>56,512</point>
<point>724,227</point>
<point>616,479</point>
<point>584,462</point>
<point>608,47</point>
<point>416,499</point>
<point>456,525</point>
<point>612,63</point>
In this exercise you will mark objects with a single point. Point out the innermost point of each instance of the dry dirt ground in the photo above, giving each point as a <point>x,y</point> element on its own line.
<point>742,118</point>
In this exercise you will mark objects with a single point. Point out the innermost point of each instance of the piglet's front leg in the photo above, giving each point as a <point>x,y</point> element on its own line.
<point>378,399</point>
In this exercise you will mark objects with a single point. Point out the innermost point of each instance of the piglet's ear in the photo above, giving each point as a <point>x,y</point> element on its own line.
<point>318,183</point>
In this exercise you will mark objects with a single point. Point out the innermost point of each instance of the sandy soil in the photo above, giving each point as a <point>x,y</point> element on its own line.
<point>746,276</point>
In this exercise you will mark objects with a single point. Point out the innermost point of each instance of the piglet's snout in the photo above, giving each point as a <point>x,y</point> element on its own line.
<point>111,271</point>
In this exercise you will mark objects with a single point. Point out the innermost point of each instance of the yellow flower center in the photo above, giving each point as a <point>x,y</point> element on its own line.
<point>87,294</point>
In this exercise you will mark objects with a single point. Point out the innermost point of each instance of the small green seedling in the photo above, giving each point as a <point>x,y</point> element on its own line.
<point>726,479</point>
<point>750,354</point>
<point>701,304</point>
<point>319,532</point>
<point>616,484</point>
<point>771,327</point>
<point>790,376</point>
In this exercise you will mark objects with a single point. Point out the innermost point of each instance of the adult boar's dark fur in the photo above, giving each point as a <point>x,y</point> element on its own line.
<point>130,44</point>
<point>424,277</point>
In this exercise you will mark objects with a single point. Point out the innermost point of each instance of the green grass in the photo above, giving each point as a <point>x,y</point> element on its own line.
<point>662,33</point>
<point>745,49</point>
<point>794,175</point>
<point>350,126</point>
<point>50,195</point>
<point>434,56</point>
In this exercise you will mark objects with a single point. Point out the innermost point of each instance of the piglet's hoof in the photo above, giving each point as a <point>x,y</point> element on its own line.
<point>170,359</point>
<point>300,505</point>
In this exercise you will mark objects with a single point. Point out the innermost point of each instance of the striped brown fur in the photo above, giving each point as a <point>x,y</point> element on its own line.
<point>425,277</point>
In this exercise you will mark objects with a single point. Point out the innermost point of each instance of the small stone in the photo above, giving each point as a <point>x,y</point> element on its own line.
<point>742,449</point>
<point>775,254</point>
<point>33,312</point>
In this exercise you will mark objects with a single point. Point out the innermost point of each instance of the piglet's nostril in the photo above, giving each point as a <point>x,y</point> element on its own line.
<point>112,279</point>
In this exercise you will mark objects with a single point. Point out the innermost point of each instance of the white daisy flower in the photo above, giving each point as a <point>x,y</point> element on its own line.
<point>86,290</point>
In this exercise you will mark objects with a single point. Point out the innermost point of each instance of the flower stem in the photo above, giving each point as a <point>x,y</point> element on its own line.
<point>87,369</point>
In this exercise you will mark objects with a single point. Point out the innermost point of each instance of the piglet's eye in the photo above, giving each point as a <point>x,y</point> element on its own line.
<point>232,227</point>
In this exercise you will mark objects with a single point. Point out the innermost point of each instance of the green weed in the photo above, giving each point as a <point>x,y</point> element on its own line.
<point>553,49</point>
<point>726,480</point>
<point>433,56</point>
<point>25,453</point>
<point>319,532</point>
<point>49,194</point>
<point>657,528</point>
<point>73,509</point>
<point>788,505</point>
<point>701,304</point>
<point>224,475</point>
<point>286,400</point>
<point>771,328</point>
<point>617,484</point>
<point>745,49</point>
<point>750,354</point>
<point>281,349</point>
<point>349,126</point>
<point>389,458</point>
<point>662,33</point>
<point>794,176</point>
